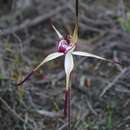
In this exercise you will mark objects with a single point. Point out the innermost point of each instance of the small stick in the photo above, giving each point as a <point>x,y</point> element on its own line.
<point>113,82</point>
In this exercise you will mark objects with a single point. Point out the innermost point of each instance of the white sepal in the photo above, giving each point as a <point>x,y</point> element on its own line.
<point>48,58</point>
<point>79,53</point>
<point>58,33</point>
<point>69,65</point>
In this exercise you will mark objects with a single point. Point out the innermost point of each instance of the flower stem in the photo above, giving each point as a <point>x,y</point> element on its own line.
<point>67,107</point>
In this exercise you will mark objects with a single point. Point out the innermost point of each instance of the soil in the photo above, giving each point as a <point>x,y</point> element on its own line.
<point>100,94</point>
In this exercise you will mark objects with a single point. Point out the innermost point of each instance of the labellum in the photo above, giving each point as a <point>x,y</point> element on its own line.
<point>64,45</point>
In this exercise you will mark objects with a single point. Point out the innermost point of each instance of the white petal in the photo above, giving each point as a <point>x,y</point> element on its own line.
<point>88,55</point>
<point>58,33</point>
<point>69,65</point>
<point>48,58</point>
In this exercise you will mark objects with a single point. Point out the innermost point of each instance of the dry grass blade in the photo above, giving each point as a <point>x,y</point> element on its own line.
<point>14,113</point>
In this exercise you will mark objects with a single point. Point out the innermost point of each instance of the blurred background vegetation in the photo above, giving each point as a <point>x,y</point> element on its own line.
<point>100,91</point>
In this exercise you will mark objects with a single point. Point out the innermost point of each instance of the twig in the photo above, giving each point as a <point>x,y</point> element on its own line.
<point>88,102</point>
<point>29,23</point>
<point>11,16</point>
<point>113,82</point>
<point>94,11</point>
<point>91,108</point>
<point>63,126</point>
<point>14,113</point>
<point>50,114</point>
<point>122,89</point>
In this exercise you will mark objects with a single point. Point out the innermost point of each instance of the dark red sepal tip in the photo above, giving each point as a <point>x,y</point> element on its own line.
<point>26,78</point>
<point>115,62</point>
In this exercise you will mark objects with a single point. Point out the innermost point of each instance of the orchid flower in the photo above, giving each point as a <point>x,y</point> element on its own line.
<point>66,47</point>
